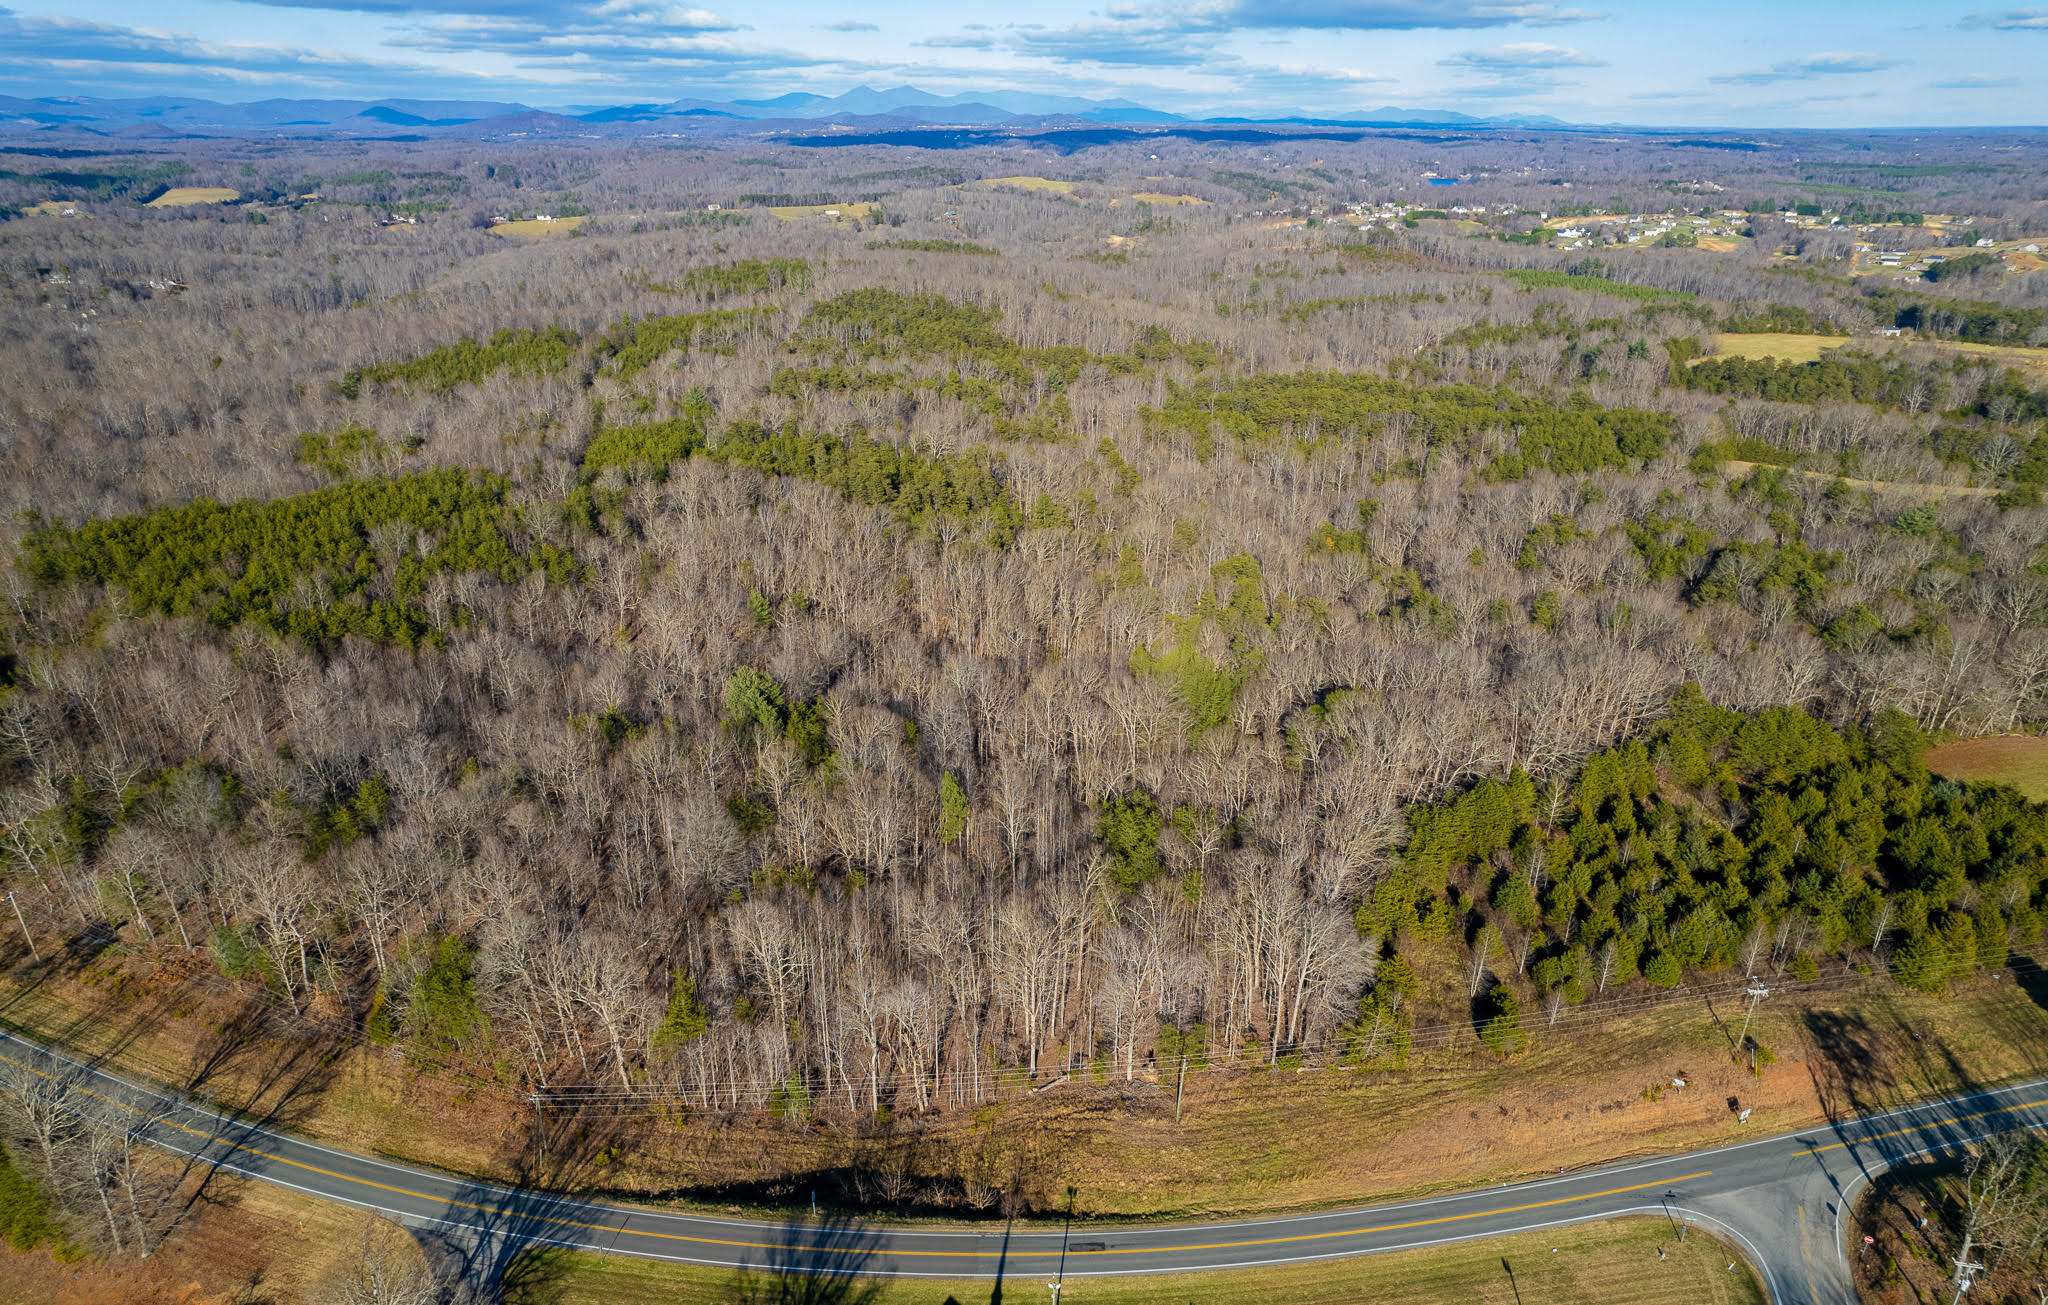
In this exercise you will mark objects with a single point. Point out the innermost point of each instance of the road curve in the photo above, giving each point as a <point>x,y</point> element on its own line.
<point>1780,1198</point>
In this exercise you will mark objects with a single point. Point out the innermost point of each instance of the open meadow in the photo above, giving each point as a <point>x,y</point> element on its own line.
<point>2019,761</point>
<point>182,196</point>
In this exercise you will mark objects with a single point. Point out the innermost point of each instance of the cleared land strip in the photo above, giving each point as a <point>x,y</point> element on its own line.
<point>1738,467</point>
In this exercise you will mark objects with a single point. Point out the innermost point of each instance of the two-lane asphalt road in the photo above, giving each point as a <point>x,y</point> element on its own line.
<point>1779,1198</point>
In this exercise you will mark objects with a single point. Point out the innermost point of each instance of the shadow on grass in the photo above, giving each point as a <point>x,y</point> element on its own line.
<point>2032,980</point>
<point>1863,1064</point>
<point>825,1263</point>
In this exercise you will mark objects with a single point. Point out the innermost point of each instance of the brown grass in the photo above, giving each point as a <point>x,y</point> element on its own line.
<point>1738,467</point>
<point>179,196</point>
<point>2035,360</point>
<point>1778,345</point>
<point>1612,1263</point>
<point>1051,184</point>
<point>2018,761</point>
<point>837,214</point>
<point>254,1242</point>
<point>1807,348</point>
<point>531,227</point>
<point>1248,1141</point>
<point>242,1243</point>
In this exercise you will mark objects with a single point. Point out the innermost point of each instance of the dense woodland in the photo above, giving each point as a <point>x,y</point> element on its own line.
<point>827,668</point>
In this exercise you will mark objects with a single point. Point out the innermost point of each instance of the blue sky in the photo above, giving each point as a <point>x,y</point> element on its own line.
<point>1744,63</point>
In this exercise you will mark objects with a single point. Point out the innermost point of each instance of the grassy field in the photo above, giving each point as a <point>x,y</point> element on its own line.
<point>842,214</point>
<point>1737,467</point>
<point>2033,359</point>
<point>1806,348</point>
<point>1611,1263</point>
<point>558,227</point>
<point>1030,183</point>
<point>1169,201</point>
<point>1790,348</point>
<point>2020,762</point>
<point>179,196</point>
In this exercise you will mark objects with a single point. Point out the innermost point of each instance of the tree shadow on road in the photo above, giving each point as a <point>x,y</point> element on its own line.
<point>494,1241</point>
<point>1863,1067</point>
<point>829,1262</point>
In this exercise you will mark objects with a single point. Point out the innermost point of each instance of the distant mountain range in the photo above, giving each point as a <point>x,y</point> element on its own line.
<point>863,106</point>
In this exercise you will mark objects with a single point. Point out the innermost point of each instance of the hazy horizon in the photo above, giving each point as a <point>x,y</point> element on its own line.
<point>1744,66</point>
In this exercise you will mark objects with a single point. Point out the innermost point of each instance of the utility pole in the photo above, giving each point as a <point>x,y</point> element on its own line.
<point>1965,1266</point>
<point>1180,1088</point>
<point>540,1118</point>
<point>26,936</point>
<point>1757,992</point>
<point>1060,1280</point>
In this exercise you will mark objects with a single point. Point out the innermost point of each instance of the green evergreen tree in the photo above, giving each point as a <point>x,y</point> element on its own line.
<point>953,809</point>
<point>686,1019</point>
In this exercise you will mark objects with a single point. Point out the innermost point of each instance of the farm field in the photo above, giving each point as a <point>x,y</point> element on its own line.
<point>2035,360</point>
<point>1170,201</point>
<point>839,214</point>
<point>2019,761</point>
<point>180,196</point>
<point>1807,348</point>
<point>534,227</point>
<point>1779,345</point>
<point>1588,1264</point>
<point>1051,184</point>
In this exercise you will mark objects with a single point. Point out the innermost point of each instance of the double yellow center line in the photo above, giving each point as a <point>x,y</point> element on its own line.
<point>1923,1127</point>
<point>525,1217</point>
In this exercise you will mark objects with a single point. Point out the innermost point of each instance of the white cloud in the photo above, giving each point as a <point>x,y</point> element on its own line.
<point>2011,20</point>
<point>1521,55</point>
<point>1829,64</point>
